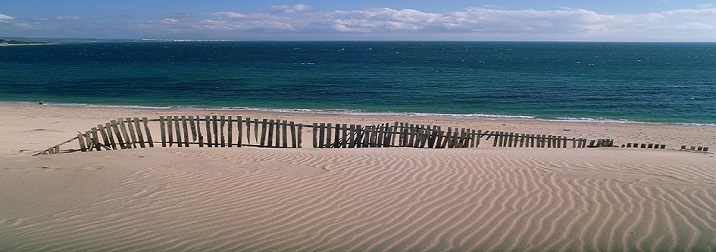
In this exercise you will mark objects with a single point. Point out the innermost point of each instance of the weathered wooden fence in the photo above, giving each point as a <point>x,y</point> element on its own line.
<point>237,131</point>
<point>183,131</point>
<point>123,133</point>
<point>327,135</point>
<point>644,146</point>
<point>228,131</point>
<point>695,148</point>
<point>520,140</point>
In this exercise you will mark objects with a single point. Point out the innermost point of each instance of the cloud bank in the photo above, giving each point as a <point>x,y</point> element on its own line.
<point>287,22</point>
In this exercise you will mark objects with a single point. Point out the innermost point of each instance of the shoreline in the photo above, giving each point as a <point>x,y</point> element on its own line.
<point>348,112</point>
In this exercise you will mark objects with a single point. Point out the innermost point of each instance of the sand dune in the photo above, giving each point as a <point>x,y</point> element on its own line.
<point>394,199</point>
<point>397,199</point>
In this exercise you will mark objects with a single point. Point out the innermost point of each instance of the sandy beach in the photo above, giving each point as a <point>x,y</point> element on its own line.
<point>378,199</point>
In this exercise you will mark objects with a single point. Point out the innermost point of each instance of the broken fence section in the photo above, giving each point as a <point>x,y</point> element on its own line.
<point>183,131</point>
<point>327,135</point>
<point>520,140</point>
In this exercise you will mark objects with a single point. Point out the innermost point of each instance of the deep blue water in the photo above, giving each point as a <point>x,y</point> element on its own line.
<point>645,82</point>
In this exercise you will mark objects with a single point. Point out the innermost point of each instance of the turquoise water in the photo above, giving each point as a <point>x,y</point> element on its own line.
<point>642,82</point>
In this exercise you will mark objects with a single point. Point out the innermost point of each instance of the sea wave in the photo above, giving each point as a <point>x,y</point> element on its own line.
<point>477,116</point>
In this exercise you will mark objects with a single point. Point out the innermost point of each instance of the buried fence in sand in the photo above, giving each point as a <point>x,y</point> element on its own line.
<point>228,131</point>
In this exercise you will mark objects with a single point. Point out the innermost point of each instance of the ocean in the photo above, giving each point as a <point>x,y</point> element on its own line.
<point>580,81</point>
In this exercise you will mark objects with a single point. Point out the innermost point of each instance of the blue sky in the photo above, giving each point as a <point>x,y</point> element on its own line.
<point>537,20</point>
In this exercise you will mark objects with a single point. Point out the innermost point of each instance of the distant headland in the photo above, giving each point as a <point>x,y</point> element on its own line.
<point>4,42</point>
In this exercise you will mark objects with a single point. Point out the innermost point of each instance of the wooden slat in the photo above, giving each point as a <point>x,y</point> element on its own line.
<point>230,128</point>
<point>215,130</point>
<point>390,136</point>
<point>504,137</point>
<point>248,130</point>
<point>208,131</point>
<point>400,134</point>
<point>263,132</point>
<point>108,128</point>
<point>270,133</point>
<point>278,132</point>
<point>88,140</point>
<point>466,138</point>
<point>177,130</point>
<point>538,141</point>
<point>495,139</point>
<point>387,142</point>
<point>239,132</point>
<point>418,136</point>
<point>94,139</point>
<point>363,140</point>
<point>222,124</point>
<point>427,135</point>
<point>186,131</point>
<point>284,134</point>
<point>192,126</point>
<point>321,134</point>
<point>81,140</point>
<point>292,125</point>
<point>115,128</point>
<point>368,136</point>
<point>473,139</point>
<point>437,137</point>
<point>315,135</point>
<point>300,133</point>
<point>138,127</point>
<point>329,133</point>
<point>170,132</point>
<point>337,136</point>
<point>448,138</point>
<point>342,135</point>
<point>150,141</point>
<point>125,135</point>
<point>256,130</point>
<point>105,138</point>
<point>199,136</point>
<point>374,136</point>
<point>380,135</point>
<point>132,133</point>
<point>393,135</point>
<point>411,135</point>
<point>351,136</point>
<point>360,137</point>
<point>162,131</point>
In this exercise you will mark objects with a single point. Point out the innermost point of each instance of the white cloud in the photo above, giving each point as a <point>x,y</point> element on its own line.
<point>242,22</point>
<point>169,21</point>
<point>289,8</point>
<point>706,11</point>
<point>229,14</point>
<point>697,26</point>
<point>5,18</point>
<point>564,23</point>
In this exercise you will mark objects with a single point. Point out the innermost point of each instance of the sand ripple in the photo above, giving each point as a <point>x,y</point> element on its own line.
<point>395,200</point>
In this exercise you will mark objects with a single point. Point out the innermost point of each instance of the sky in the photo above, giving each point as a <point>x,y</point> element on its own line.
<point>477,20</point>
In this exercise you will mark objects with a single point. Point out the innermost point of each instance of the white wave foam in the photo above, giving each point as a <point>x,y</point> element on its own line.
<point>366,113</point>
